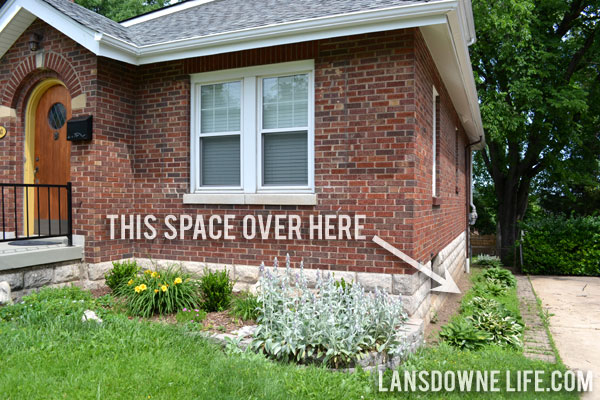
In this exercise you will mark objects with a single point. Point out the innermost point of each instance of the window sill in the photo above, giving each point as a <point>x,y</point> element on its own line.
<point>294,199</point>
<point>436,201</point>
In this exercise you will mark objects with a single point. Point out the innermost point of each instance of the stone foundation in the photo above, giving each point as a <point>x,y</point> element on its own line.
<point>25,280</point>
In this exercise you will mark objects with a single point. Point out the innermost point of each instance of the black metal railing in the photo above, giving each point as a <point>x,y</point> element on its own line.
<point>47,200</point>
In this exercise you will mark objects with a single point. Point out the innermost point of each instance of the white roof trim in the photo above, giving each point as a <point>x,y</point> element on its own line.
<point>165,11</point>
<point>454,15</point>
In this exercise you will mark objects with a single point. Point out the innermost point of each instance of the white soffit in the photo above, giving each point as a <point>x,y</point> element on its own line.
<point>12,26</point>
<point>454,67</point>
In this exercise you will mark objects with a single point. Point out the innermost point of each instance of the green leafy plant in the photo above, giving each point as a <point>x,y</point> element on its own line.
<point>245,306</point>
<point>327,325</point>
<point>120,274</point>
<point>193,315</point>
<point>556,245</point>
<point>216,289</point>
<point>343,284</point>
<point>489,288</point>
<point>161,292</point>
<point>464,335</point>
<point>503,329</point>
<point>487,261</point>
<point>499,276</point>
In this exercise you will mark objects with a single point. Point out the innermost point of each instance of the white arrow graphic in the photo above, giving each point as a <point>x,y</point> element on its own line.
<point>446,284</point>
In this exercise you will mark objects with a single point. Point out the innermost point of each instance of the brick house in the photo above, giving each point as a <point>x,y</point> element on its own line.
<point>268,107</point>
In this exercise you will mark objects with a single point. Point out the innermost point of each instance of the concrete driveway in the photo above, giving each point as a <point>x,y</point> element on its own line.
<point>575,325</point>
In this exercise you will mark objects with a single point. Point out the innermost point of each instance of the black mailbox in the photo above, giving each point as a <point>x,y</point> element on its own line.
<point>79,128</point>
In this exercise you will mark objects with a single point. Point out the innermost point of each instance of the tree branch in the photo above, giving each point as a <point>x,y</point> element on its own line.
<point>569,18</point>
<point>578,56</point>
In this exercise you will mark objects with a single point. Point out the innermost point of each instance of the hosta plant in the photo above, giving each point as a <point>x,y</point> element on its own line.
<point>488,288</point>
<point>161,292</point>
<point>480,304</point>
<point>487,261</point>
<point>503,329</point>
<point>330,324</point>
<point>464,335</point>
<point>499,276</point>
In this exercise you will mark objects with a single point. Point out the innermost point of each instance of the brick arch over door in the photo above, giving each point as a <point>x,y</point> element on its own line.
<point>27,70</point>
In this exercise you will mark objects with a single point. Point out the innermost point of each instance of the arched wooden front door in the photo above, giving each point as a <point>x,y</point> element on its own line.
<point>51,164</point>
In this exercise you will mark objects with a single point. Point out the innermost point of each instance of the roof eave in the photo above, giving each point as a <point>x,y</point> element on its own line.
<point>455,15</point>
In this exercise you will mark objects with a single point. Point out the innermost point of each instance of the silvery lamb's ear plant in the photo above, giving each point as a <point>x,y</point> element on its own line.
<point>331,324</point>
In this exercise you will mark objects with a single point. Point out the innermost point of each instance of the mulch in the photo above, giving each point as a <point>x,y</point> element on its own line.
<point>215,322</point>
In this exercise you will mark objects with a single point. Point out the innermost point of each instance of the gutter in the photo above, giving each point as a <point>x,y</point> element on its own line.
<point>471,209</point>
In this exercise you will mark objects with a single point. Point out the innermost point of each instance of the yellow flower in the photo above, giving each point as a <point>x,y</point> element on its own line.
<point>177,280</point>
<point>163,288</point>
<point>137,289</point>
<point>154,274</point>
<point>143,287</point>
<point>147,272</point>
<point>155,290</point>
<point>130,282</point>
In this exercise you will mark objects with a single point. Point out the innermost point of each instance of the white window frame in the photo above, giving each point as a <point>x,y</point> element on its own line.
<point>220,189</point>
<point>250,136</point>
<point>434,124</point>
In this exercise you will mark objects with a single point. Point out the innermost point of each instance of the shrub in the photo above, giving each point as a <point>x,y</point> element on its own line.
<point>193,315</point>
<point>463,335</point>
<point>556,245</point>
<point>487,261</point>
<point>216,289</point>
<point>161,292</point>
<point>329,325</point>
<point>246,307</point>
<point>499,276</point>
<point>503,329</point>
<point>120,274</point>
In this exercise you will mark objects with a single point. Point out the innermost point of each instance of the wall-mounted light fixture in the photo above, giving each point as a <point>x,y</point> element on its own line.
<point>34,41</point>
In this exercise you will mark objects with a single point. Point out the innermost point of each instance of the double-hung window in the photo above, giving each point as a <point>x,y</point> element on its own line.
<point>252,132</point>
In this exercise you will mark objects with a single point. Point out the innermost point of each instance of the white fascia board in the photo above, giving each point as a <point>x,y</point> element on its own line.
<point>466,71</point>
<point>59,21</point>
<point>162,12</point>
<point>456,78</point>
<point>111,47</point>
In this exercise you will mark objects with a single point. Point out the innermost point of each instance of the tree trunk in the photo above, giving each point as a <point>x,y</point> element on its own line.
<point>511,210</point>
<point>508,234</point>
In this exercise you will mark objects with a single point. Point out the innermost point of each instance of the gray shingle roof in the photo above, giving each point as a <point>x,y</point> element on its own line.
<point>219,16</point>
<point>91,20</point>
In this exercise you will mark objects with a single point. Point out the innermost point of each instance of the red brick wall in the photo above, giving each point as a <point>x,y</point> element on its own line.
<point>437,225</point>
<point>363,152</point>
<point>372,146</point>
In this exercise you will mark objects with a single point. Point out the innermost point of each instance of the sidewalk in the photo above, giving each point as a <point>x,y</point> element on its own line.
<point>575,325</point>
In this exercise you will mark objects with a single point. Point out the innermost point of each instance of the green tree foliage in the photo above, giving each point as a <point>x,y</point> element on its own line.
<point>536,70</point>
<point>557,245</point>
<point>119,10</point>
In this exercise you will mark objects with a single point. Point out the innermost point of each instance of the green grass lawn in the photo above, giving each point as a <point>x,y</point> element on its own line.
<point>48,353</point>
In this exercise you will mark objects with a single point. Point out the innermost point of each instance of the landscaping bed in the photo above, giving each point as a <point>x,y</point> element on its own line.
<point>48,352</point>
